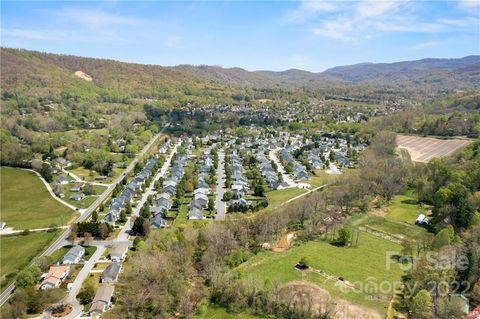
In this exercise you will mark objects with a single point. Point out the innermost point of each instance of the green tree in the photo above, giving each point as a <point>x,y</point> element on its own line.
<point>227,196</point>
<point>444,237</point>
<point>128,208</point>
<point>138,226</point>
<point>344,236</point>
<point>28,277</point>
<point>211,204</point>
<point>86,295</point>
<point>420,305</point>
<point>259,191</point>
<point>122,217</point>
<point>94,216</point>
<point>88,189</point>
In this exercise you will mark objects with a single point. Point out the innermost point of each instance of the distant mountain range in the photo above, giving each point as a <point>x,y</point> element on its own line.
<point>465,72</point>
<point>52,71</point>
<point>398,71</point>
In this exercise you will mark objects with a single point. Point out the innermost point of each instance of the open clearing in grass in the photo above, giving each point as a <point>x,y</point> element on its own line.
<point>423,149</point>
<point>26,202</point>
<point>398,230</point>
<point>404,208</point>
<point>19,250</point>
<point>354,264</point>
<point>278,197</point>
<point>396,219</point>
<point>212,311</point>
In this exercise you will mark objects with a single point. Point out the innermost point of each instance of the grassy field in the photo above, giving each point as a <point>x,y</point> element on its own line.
<point>354,264</point>
<point>26,202</point>
<point>278,197</point>
<point>321,178</point>
<point>212,311</point>
<point>18,251</point>
<point>399,230</point>
<point>404,208</point>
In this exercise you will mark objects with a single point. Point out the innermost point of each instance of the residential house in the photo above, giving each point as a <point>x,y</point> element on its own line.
<point>77,196</point>
<point>103,300</point>
<point>158,221</point>
<point>55,276</point>
<point>74,255</point>
<point>61,180</point>
<point>77,186</point>
<point>195,213</point>
<point>119,252</point>
<point>110,274</point>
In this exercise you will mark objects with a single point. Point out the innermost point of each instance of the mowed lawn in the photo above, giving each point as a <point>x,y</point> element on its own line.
<point>354,264</point>
<point>18,251</point>
<point>212,311</point>
<point>404,208</point>
<point>278,197</point>
<point>26,202</point>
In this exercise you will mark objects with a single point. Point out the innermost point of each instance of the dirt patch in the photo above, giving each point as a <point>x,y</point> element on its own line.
<point>306,295</point>
<point>84,76</point>
<point>423,149</point>
<point>284,242</point>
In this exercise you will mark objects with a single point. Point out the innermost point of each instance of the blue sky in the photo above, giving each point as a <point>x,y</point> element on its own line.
<point>268,35</point>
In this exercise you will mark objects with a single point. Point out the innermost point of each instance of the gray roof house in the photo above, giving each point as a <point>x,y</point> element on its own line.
<point>77,196</point>
<point>119,252</point>
<point>195,213</point>
<point>74,255</point>
<point>158,221</point>
<point>110,274</point>
<point>102,300</point>
<point>61,180</point>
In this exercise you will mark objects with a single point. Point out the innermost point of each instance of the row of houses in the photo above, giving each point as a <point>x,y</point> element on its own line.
<point>200,194</point>
<point>119,203</point>
<point>299,171</point>
<point>240,185</point>
<point>269,174</point>
<point>163,201</point>
<point>104,296</point>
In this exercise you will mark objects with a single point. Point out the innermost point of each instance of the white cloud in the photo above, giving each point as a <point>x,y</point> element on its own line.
<point>354,21</point>
<point>408,26</point>
<point>336,29</point>
<point>309,9</point>
<point>375,8</point>
<point>94,18</point>
<point>465,22</point>
<point>469,4</point>
<point>319,5</point>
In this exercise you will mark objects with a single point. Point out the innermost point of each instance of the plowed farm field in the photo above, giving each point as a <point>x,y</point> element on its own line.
<point>423,149</point>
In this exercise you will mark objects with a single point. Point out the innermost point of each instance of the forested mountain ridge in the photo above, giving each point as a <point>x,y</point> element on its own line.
<point>51,76</point>
<point>41,74</point>
<point>465,71</point>
<point>374,72</point>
